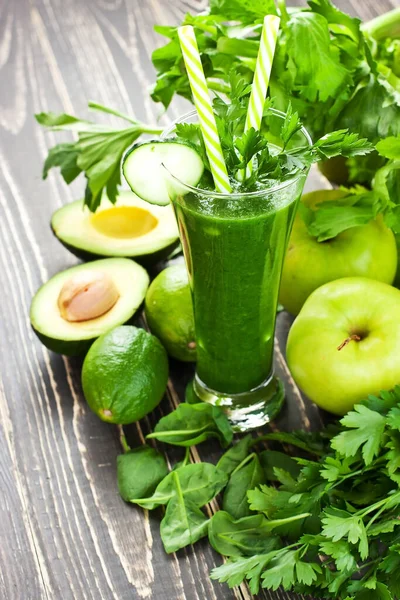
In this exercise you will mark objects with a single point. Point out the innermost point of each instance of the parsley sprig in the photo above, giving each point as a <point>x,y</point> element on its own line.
<point>359,205</point>
<point>97,152</point>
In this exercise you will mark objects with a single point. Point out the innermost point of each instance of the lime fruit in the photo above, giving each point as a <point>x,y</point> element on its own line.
<point>169,312</point>
<point>125,374</point>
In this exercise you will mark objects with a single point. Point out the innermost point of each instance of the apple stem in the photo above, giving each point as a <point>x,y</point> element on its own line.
<point>351,338</point>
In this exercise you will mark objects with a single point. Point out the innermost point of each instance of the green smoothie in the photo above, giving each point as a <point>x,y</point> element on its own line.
<point>234,249</point>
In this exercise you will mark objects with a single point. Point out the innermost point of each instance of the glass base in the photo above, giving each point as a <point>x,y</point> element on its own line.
<point>245,411</point>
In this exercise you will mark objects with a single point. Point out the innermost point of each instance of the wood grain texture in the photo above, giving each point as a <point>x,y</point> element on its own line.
<point>64,531</point>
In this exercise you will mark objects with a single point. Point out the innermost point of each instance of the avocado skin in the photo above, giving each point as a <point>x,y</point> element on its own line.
<point>72,348</point>
<point>76,347</point>
<point>146,260</point>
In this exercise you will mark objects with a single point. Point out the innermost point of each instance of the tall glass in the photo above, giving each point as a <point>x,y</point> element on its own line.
<point>234,246</point>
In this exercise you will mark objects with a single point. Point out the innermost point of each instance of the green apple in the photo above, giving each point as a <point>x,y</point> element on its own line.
<point>365,251</point>
<point>389,174</point>
<point>345,343</point>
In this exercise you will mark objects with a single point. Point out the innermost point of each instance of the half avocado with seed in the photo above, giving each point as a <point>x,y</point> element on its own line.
<point>76,306</point>
<point>130,228</point>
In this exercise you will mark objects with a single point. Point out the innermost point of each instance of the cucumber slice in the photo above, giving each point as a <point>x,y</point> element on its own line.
<point>142,168</point>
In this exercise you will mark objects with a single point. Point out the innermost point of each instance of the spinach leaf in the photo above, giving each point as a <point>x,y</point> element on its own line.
<point>235,455</point>
<point>243,537</point>
<point>199,483</point>
<point>248,475</point>
<point>139,471</point>
<point>191,424</point>
<point>183,524</point>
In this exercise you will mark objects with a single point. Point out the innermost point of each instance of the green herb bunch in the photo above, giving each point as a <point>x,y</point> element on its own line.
<point>242,147</point>
<point>322,521</point>
<point>335,71</point>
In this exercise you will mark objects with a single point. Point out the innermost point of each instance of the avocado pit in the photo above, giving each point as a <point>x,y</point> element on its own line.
<point>87,295</point>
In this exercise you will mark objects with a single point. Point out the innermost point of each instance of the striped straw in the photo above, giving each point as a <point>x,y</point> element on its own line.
<point>269,36</point>
<point>265,57</point>
<point>204,109</point>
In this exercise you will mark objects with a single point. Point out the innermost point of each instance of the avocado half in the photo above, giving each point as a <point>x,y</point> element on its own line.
<point>75,338</point>
<point>130,228</point>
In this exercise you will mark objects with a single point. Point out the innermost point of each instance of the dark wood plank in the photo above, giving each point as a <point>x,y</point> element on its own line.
<point>64,531</point>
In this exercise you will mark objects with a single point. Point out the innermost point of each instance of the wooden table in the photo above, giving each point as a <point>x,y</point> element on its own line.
<point>65,534</point>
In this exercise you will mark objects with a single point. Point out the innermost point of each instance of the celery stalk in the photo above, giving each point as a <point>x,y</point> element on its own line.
<point>384,26</point>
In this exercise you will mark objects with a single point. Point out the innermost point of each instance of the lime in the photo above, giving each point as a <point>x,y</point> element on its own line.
<point>169,312</point>
<point>125,374</point>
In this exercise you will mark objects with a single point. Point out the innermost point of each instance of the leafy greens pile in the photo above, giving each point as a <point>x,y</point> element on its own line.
<point>323,523</point>
<point>336,72</point>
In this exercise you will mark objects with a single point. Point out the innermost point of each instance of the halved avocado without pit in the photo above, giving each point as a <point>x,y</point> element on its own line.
<point>79,304</point>
<point>130,228</point>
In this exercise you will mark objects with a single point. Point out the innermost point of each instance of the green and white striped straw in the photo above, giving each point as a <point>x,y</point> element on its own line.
<point>262,73</point>
<point>202,101</point>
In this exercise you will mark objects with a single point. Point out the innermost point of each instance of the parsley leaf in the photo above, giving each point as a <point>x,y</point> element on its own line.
<point>383,403</point>
<point>191,132</point>
<point>341,552</point>
<point>64,156</point>
<point>393,457</point>
<point>291,125</point>
<point>366,432</point>
<point>329,218</point>
<point>281,571</point>
<point>249,144</point>
<point>334,468</point>
<point>339,524</point>
<point>236,570</point>
<point>341,143</point>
